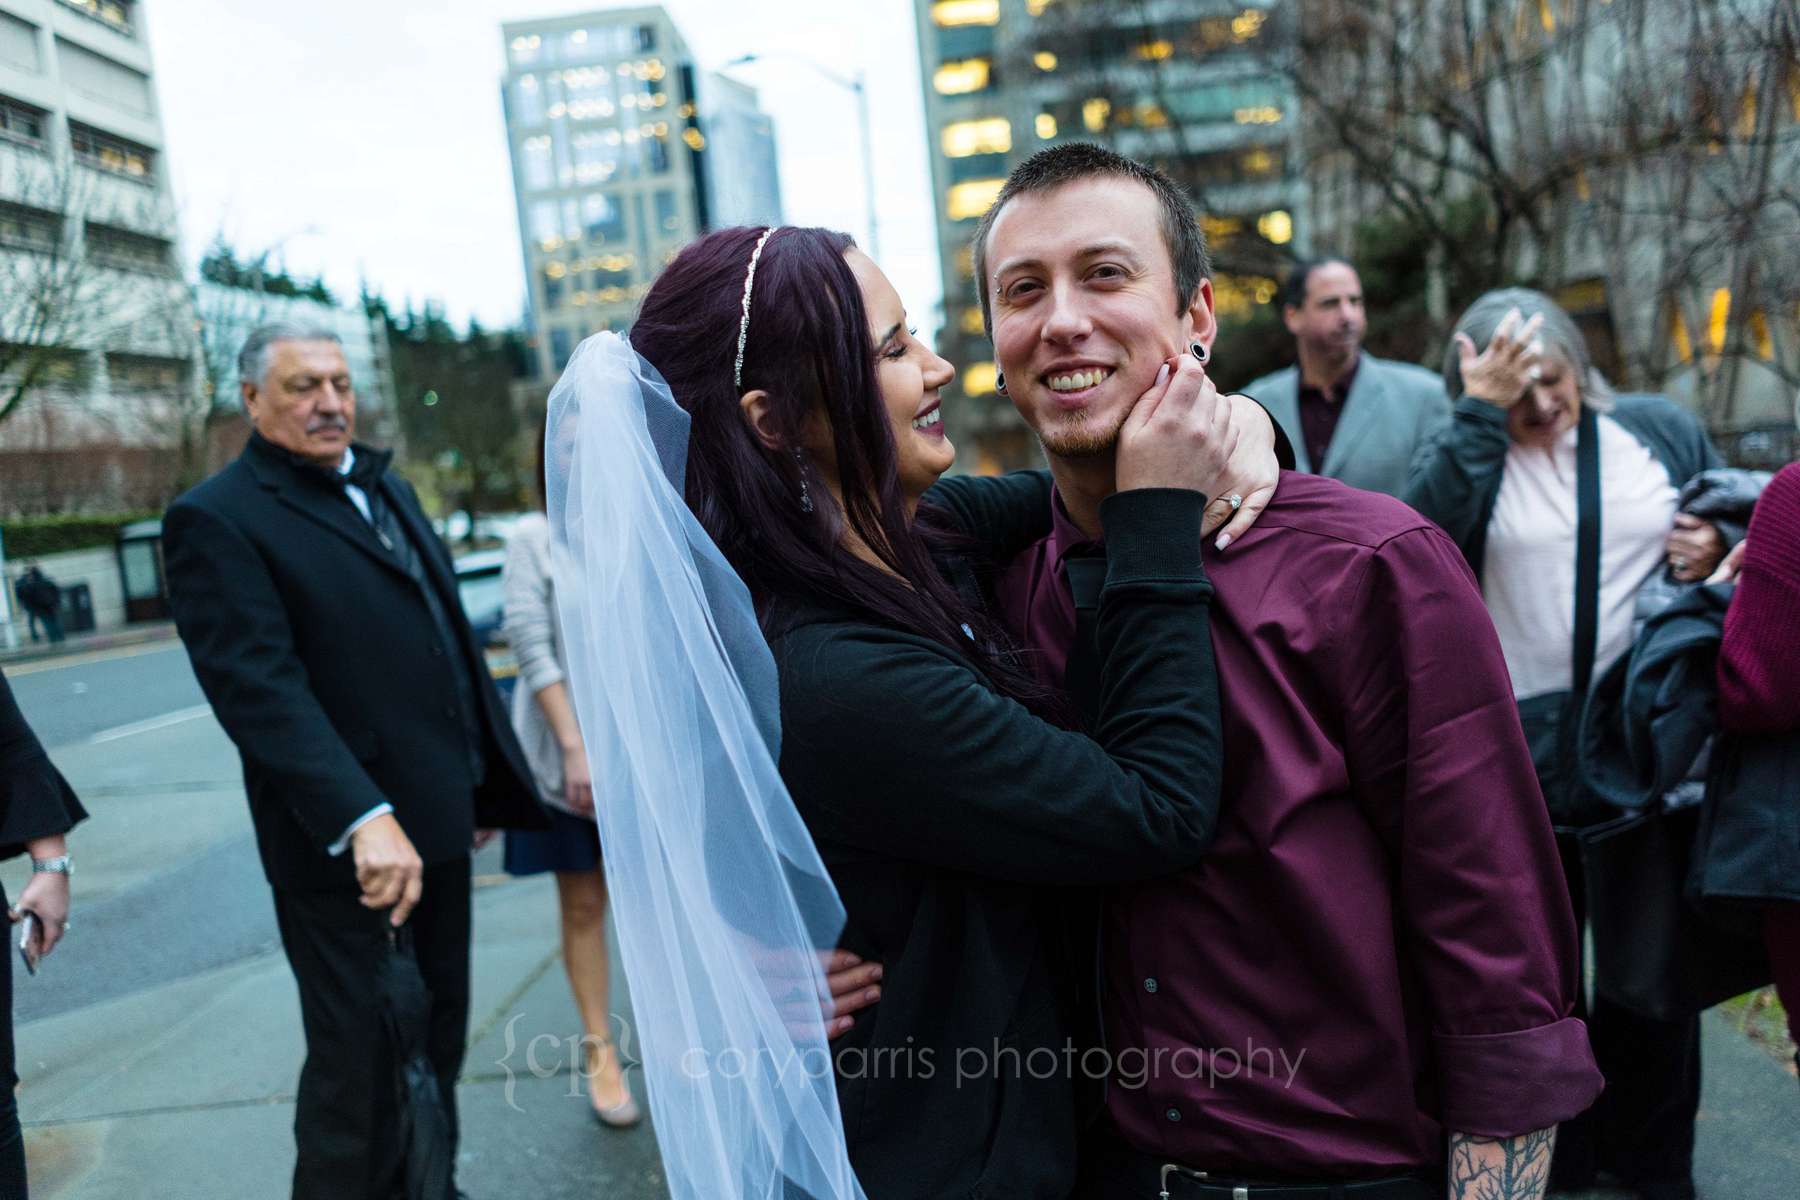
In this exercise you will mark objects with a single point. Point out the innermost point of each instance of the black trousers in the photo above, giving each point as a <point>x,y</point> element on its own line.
<point>345,1120</point>
<point>1642,1126</point>
<point>12,1138</point>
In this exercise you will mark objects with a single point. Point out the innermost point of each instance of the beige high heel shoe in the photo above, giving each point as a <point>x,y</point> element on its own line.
<point>625,1113</point>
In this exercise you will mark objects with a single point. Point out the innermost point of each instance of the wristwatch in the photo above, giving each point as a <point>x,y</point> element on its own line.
<point>62,864</point>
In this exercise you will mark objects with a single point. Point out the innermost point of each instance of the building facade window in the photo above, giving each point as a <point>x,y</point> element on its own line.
<point>126,250</point>
<point>978,379</point>
<point>562,346</point>
<point>966,201</point>
<point>668,214</point>
<point>29,228</point>
<point>116,13</point>
<point>23,122</point>
<point>952,14</point>
<point>988,135</point>
<point>602,218</point>
<point>963,76</point>
<point>528,100</point>
<point>110,153</point>
<point>538,171</point>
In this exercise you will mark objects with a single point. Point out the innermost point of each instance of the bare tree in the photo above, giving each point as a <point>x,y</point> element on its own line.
<point>1648,146</point>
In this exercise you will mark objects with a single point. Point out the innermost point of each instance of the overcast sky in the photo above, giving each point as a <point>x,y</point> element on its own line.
<point>365,136</point>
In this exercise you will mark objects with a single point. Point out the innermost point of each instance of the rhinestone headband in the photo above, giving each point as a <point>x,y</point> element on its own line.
<point>737,370</point>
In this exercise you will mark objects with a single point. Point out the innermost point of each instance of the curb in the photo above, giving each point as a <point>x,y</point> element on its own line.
<point>88,643</point>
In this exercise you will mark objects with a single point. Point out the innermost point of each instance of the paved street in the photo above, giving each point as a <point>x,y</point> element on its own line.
<point>158,1047</point>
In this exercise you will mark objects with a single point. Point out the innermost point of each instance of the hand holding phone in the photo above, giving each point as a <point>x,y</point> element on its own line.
<point>30,951</point>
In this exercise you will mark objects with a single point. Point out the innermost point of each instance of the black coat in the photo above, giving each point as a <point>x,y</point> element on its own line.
<point>35,800</point>
<point>321,660</point>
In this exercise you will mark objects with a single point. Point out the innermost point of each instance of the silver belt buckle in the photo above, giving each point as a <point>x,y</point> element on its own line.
<point>1169,1169</point>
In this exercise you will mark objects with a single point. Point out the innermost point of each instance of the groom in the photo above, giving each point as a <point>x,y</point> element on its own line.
<point>1383,907</point>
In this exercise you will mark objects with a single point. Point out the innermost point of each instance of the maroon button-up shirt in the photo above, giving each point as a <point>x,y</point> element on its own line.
<point>1379,949</point>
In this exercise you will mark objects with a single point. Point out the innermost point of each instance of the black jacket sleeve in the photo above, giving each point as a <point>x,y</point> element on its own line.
<point>894,745</point>
<point>35,800</point>
<point>1003,514</point>
<point>1455,474</point>
<point>236,629</point>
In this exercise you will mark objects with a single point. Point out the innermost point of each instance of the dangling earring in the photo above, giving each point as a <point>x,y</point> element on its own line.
<point>805,496</point>
<point>1000,382</point>
<point>1198,351</point>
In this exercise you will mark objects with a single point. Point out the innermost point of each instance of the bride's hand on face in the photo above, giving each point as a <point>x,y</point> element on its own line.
<point>1251,474</point>
<point>1179,434</point>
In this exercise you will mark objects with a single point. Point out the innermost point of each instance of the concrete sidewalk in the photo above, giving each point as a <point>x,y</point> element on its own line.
<point>186,1089</point>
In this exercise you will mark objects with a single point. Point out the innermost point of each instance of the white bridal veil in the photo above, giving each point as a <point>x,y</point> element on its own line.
<point>721,902</point>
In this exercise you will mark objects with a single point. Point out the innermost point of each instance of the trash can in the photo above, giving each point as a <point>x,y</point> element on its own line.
<point>77,609</point>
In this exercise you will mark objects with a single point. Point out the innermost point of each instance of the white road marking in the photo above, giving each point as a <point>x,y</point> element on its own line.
<point>153,724</point>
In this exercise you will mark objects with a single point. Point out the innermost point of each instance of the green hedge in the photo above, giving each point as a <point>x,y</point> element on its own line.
<point>37,537</point>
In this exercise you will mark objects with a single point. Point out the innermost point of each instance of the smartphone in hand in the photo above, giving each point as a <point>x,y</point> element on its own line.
<point>29,948</point>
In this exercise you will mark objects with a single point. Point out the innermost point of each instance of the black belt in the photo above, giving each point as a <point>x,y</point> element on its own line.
<point>1172,1181</point>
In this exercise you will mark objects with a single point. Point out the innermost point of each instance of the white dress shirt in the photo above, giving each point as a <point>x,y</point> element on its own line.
<point>1528,573</point>
<point>359,498</point>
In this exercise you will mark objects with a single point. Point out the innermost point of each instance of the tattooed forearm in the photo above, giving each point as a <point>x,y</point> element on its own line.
<point>1500,1168</point>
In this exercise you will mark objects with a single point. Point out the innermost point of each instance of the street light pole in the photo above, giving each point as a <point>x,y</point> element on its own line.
<point>858,86</point>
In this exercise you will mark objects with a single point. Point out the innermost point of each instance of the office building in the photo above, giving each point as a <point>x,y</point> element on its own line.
<point>622,153</point>
<point>96,324</point>
<point>1184,84</point>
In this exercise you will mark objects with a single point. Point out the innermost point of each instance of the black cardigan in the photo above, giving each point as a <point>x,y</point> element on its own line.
<point>35,800</point>
<point>947,814</point>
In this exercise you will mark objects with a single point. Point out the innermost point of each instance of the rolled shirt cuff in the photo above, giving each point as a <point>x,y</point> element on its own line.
<point>343,843</point>
<point>1503,1085</point>
<point>539,674</point>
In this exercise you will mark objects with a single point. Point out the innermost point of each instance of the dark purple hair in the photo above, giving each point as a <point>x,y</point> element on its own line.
<point>810,348</point>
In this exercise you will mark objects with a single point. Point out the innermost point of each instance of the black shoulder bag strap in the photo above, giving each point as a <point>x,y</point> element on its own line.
<point>1587,552</point>
<point>1570,806</point>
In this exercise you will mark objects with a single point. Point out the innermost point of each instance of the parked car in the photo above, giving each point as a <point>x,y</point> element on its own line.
<point>478,584</point>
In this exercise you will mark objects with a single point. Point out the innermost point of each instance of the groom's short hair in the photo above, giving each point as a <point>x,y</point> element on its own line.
<point>1050,169</point>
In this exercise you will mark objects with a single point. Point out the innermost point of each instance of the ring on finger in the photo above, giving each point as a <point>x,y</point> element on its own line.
<point>1236,501</point>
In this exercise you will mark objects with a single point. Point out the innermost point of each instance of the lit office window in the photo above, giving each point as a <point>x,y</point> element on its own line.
<point>110,153</point>
<point>116,13</point>
<point>971,322</point>
<point>1155,51</point>
<point>525,50</point>
<point>546,229</point>
<point>1260,114</point>
<point>596,159</point>
<point>538,173</point>
<point>962,77</point>
<point>668,216</point>
<point>989,135</point>
<point>978,379</point>
<point>948,14</point>
<point>602,218</point>
<point>1247,24</point>
<point>967,201</point>
<point>528,99</point>
<point>1759,336</point>
<point>1718,320</point>
<point>1095,112</point>
<point>1044,60</point>
<point>1277,226</point>
<point>1036,7</point>
<point>1679,338</point>
<point>1046,126</point>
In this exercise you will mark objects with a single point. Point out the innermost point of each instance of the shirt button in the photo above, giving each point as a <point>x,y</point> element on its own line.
<point>1150,985</point>
<point>1174,1114</point>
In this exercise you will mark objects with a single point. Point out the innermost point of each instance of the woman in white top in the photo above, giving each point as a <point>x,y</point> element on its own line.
<point>544,719</point>
<point>1502,481</point>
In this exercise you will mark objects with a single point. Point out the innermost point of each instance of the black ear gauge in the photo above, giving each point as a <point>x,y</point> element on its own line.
<point>1000,382</point>
<point>1198,351</point>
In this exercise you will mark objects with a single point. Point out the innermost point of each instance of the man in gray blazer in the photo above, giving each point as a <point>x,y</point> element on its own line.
<point>1350,415</point>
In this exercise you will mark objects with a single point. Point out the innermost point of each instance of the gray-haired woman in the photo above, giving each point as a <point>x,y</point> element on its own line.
<point>1502,481</point>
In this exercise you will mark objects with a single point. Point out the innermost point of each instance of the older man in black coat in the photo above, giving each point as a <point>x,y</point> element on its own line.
<point>321,614</point>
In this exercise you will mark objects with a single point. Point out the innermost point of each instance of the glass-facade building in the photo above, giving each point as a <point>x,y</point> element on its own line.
<point>617,154</point>
<point>1186,84</point>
